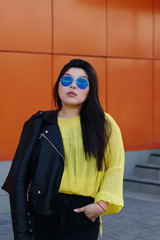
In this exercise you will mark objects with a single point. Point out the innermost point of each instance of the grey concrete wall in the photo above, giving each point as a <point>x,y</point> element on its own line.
<point>136,157</point>
<point>4,200</point>
<point>131,159</point>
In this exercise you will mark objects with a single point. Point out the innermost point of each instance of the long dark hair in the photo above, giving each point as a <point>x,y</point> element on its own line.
<point>96,128</point>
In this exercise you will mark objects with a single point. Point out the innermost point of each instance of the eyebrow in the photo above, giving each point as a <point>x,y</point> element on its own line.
<point>68,74</point>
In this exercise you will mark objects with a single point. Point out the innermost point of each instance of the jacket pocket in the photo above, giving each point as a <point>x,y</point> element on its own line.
<point>38,190</point>
<point>37,198</point>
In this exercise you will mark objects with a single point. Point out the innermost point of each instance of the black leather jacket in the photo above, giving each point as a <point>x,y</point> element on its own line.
<point>36,171</point>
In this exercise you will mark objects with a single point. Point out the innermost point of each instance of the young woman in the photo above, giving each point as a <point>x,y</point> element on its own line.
<point>68,167</point>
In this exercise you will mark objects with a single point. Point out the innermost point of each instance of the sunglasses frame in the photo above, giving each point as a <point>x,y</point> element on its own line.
<point>77,82</point>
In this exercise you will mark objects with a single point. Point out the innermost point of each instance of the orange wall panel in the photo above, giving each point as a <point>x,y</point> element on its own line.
<point>120,38</point>
<point>25,25</point>
<point>98,63</point>
<point>130,99</point>
<point>130,28</point>
<point>25,89</point>
<point>157,102</point>
<point>157,29</point>
<point>79,27</point>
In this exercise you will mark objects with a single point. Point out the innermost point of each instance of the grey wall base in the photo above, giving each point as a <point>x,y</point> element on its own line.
<point>133,158</point>
<point>4,199</point>
<point>145,176</point>
<point>4,203</point>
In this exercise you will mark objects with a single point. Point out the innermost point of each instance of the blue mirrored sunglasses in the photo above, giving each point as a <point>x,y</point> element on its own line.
<point>82,83</point>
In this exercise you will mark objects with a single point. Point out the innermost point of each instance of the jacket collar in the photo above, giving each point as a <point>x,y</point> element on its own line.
<point>50,116</point>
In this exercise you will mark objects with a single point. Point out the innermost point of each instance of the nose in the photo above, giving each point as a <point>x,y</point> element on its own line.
<point>73,84</point>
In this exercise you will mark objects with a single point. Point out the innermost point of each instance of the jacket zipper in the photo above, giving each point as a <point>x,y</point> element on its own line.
<point>43,135</point>
<point>28,189</point>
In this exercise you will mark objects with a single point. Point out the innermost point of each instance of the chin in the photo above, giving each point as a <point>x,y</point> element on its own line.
<point>69,103</point>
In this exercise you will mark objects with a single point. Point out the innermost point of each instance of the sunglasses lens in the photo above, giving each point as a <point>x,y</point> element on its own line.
<point>66,81</point>
<point>82,83</point>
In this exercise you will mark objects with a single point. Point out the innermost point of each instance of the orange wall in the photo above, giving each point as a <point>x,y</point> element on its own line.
<point>120,38</point>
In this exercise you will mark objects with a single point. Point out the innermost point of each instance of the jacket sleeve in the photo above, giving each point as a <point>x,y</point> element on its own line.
<point>18,180</point>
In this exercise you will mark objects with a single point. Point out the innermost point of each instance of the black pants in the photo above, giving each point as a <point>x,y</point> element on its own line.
<point>66,224</point>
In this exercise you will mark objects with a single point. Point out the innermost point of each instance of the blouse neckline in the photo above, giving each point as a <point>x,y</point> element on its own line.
<point>69,119</point>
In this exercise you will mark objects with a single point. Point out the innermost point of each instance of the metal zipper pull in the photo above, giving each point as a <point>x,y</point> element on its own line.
<point>43,135</point>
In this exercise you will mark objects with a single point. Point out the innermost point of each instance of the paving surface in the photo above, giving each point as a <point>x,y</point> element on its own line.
<point>138,220</point>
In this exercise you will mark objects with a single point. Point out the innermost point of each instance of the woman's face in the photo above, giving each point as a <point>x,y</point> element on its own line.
<point>72,94</point>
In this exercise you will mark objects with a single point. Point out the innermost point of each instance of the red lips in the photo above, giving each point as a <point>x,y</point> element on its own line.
<point>71,94</point>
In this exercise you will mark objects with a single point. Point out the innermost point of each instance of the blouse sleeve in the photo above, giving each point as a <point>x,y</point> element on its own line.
<point>111,189</point>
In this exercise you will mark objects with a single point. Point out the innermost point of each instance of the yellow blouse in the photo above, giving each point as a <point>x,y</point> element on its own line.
<point>81,176</point>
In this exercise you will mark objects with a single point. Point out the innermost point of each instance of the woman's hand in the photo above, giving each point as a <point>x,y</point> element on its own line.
<point>93,210</point>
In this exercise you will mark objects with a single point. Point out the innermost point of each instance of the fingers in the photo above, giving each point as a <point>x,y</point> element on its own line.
<point>78,210</point>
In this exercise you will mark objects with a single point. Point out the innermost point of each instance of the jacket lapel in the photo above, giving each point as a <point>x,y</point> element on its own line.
<point>52,131</point>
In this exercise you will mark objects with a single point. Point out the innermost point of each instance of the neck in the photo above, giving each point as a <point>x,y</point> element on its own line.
<point>68,112</point>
